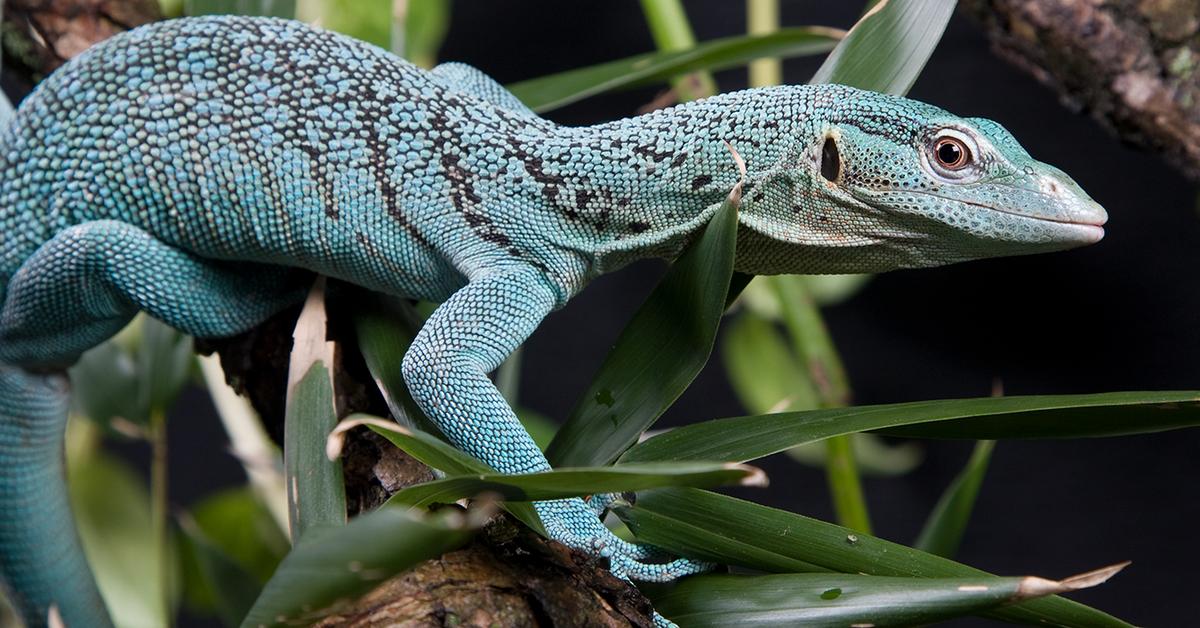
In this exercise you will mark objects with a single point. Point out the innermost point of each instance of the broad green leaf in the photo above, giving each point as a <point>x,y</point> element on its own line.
<point>578,482</point>
<point>384,328</point>
<point>230,588</point>
<point>549,92</point>
<point>420,31</point>
<point>1049,416</point>
<point>659,352</point>
<point>887,48</point>
<point>762,371</point>
<point>943,531</point>
<point>330,565</point>
<point>241,526</point>
<point>431,451</point>
<point>837,601</point>
<point>316,494</point>
<point>104,385</point>
<point>873,455</point>
<point>540,428</point>
<point>272,8</point>
<point>368,20</point>
<point>164,362</point>
<point>709,526</point>
<point>111,505</point>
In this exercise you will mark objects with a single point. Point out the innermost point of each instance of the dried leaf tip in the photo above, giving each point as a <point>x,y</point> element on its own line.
<point>735,195</point>
<point>754,476</point>
<point>1033,586</point>
<point>337,438</point>
<point>309,343</point>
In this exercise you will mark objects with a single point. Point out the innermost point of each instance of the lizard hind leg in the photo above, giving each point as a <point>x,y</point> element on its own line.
<point>74,292</point>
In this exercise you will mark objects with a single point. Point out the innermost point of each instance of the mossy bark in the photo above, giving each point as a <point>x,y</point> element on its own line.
<point>1133,65</point>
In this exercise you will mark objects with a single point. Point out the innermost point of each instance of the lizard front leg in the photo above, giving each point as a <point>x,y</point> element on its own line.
<point>446,371</point>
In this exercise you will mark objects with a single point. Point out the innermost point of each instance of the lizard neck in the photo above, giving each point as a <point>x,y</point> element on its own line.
<point>645,186</point>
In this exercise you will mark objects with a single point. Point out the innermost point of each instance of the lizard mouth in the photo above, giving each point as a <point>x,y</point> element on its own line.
<point>1074,218</point>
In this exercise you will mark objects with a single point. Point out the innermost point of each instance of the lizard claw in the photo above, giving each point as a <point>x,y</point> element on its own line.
<point>573,522</point>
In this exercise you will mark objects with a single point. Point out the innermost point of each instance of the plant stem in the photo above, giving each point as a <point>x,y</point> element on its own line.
<point>671,31</point>
<point>762,18</point>
<point>813,345</point>
<point>158,504</point>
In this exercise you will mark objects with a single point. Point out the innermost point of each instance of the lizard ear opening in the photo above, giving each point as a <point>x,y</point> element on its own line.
<point>831,161</point>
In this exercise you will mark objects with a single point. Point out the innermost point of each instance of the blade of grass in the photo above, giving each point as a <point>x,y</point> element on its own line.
<point>578,482</point>
<point>943,531</point>
<point>659,352</point>
<point>888,47</point>
<point>316,495</point>
<point>352,560</point>
<point>1050,416</point>
<point>557,90</point>
<point>706,525</point>
<point>829,601</point>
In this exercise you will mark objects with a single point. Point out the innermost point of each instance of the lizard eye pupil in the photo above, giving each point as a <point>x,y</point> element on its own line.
<point>951,153</point>
<point>831,162</point>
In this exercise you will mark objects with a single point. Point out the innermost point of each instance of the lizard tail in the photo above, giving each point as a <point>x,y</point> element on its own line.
<point>43,564</point>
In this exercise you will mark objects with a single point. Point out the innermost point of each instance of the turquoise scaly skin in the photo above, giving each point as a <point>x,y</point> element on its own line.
<point>187,168</point>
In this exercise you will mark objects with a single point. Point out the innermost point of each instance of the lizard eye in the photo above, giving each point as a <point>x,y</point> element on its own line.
<point>951,153</point>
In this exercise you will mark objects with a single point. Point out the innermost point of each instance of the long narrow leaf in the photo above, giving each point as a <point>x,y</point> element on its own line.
<point>943,531</point>
<point>549,92</point>
<point>384,328</point>
<point>701,524</point>
<point>578,482</point>
<point>1051,416</point>
<point>316,495</point>
<point>837,601</point>
<point>431,451</point>
<point>659,352</point>
<point>887,48</point>
<point>334,564</point>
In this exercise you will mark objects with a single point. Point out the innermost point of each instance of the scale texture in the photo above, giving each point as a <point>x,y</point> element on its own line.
<point>187,168</point>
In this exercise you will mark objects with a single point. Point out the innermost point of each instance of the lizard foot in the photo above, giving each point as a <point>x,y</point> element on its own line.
<point>574,523</point>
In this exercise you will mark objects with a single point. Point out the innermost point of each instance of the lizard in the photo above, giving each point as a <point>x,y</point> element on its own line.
<point>202,169</point>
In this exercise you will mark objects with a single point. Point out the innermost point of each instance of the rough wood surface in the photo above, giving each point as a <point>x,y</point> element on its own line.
<point>1131,64</point>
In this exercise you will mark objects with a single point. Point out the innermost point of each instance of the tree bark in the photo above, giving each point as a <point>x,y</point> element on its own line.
<point>1131,64</point>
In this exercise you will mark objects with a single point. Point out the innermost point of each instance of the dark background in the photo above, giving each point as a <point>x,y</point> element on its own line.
<point>1115,316</point>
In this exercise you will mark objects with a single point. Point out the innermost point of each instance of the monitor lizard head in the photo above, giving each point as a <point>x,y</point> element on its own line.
<point>878,182</point>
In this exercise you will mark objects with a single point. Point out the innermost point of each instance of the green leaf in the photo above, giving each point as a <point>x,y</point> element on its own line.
<point>164,362</point>
<point>231,588</point>
<point>241,526</point>
<point>549,92</point>
<point>837,601</point>
<point>316,494</point>
<point>1049,416</point>
<point>385,327</point>
<point>705,525</point>
<point>424,27</point>
<point>888,47</point>
<point>658,353</point>
<point>762,371</point>
<point>578,482</point>
<point>943,531</point>
<point>112,513</point>
<point>272,8</point>
<point>874,456</point>
<point>432,451</point>
<point>335,564</point>
<point>104,385</point>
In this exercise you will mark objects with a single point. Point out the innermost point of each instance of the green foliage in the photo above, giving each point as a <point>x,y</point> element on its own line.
<point>658,354</point>
<point>722,529</point>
